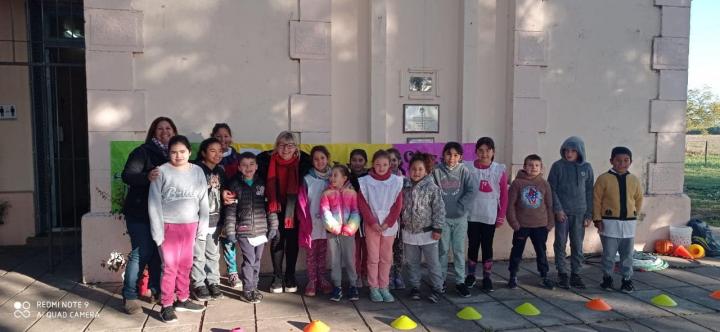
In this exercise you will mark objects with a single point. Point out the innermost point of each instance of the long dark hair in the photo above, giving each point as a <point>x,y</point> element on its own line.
<point>180,139</point>
<point>204,146</point>
<point>219,126</point>
<point>153,127</point>
<point>487,141</point>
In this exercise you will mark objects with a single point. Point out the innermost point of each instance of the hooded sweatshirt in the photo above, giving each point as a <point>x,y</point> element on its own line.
<point>216,181</point>
<point>572,182</point>
<point>530,204</point>
<point>456,188</point>
<point>312,225</point>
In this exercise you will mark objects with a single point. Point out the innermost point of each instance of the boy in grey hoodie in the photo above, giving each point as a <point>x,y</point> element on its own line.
<point>571,179</point>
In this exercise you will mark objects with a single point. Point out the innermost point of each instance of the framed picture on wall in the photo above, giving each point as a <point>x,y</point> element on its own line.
<point>421,118</point>
<point>419,83</point>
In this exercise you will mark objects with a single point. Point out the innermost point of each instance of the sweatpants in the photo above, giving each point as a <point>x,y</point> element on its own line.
<point>284,246</point>
<point>538,236</point>
<point>575,230</point>
<point>360,256</point>
<point>206,265</point>
<point>480,236</point>
<point>229,255</point>
<point>413,258</point>
<point>316,262</point>
<point>396,267</point>
<point>612,245</point>
<point>342,253</point>
<point>176,253</point>
<point>454,233</point>
<point>379,257</point>
<point>250,267</point>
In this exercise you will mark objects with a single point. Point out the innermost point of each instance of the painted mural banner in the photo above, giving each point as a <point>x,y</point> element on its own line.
<point>339,154</point>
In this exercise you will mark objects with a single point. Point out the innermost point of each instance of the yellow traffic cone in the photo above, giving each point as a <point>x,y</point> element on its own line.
<point>403,323</point>
<point>527,309</point>
<point>469,313</point>
<point>663,301</point>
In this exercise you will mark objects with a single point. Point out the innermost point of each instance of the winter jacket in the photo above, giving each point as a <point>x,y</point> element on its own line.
<point>141,161</point>
<point>216,180</point>
<point>530,203</point>
<point>572,182</point>
<point>339,210</point>
<point>456,188</point>
<point>263,162</point>
<point>423,206</point>
<point>248,217</point>
<point>617,196</point>
<point>311,225</point>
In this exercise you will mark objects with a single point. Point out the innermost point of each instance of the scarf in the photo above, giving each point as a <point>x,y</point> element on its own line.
<point>380,177</point>
<point>325,174</point>
<point>282,187</point>
<point>163,148</point>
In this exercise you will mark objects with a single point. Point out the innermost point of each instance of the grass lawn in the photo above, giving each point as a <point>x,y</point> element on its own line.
<point>702,185</point>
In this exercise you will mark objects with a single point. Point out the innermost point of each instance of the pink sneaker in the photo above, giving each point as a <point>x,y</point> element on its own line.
<point>310,289</point>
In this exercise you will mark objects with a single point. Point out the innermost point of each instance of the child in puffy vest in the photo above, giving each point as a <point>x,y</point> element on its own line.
<point>248,223</point>
<point>338,206</point>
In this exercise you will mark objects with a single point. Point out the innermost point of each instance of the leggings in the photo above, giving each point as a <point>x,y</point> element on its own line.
<point>480,236</point>
<point>285,245</point>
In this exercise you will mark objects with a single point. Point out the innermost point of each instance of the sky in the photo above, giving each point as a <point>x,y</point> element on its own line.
<point>704,61</point>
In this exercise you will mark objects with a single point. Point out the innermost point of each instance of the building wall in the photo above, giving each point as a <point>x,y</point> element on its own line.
<point>528,73</point>
<point>17,182</point>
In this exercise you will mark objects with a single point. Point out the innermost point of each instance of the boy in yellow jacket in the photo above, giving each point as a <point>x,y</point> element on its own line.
<point>617,199</point>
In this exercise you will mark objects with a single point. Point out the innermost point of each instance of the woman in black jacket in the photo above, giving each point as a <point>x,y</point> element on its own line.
<point>141,169</point>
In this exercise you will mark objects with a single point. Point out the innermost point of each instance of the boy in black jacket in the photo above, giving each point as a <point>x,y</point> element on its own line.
<point>248,223</point>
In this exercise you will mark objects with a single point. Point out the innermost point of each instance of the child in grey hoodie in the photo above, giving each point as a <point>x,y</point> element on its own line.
<point>571,179</point>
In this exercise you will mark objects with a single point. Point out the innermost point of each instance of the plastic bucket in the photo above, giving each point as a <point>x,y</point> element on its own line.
<point>681,235</point>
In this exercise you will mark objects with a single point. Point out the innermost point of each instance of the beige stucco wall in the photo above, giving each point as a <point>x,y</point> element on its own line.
<point>17,182</point>
<point>528,73</point>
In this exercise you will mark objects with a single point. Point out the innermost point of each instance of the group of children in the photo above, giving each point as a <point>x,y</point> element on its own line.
<point>374,222</point>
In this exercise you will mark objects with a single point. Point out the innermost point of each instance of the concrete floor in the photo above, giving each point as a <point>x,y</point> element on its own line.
<point>28,287</point>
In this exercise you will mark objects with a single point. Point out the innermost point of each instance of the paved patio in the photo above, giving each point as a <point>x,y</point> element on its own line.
<point>28,290</point>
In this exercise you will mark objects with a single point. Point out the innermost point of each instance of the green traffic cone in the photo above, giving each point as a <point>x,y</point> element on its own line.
<point>663,301</point>
<point>527,309</point>
<point>469,313</point>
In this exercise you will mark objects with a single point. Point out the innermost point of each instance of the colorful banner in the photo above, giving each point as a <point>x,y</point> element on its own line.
<point>339,154</point>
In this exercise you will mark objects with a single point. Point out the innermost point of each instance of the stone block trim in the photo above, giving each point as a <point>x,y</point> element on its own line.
<point>667,116</point>
<point>670,53</point>
<point>673,85</point>
<point>113,30</point>
<point>673,3</point>
<point>524,143</point>
<point>309,40</point>
<point>675,22</point>
<point>670,148</point>
<point>108,4</point>
<point>315,10</point>
<point>527,81</point>
<point>310,113</point>
<point>530,48</point>
<point>315,77</point>
<point>109,70</point>
<point>116,111</point>
<point>529,15</point>
<point>666,178</point>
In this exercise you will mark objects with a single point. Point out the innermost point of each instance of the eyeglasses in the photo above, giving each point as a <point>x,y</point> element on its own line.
<point>289,146</point>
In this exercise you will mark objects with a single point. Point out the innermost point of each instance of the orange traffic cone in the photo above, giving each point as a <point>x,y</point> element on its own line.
<point>598,305</point>
<point>680,251</point>
<point>715,295</point>
<point>316,326</point>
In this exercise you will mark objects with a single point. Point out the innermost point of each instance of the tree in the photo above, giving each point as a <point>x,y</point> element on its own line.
<point>703,110</point>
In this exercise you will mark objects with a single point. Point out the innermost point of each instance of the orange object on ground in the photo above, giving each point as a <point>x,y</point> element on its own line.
<point>680,251</point>
<point>664,247</point>
<point>316,326</point>
<point>696,250</point>
<point>598,305</point>
<point>715,295</point>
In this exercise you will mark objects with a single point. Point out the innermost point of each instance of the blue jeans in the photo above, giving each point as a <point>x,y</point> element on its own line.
<point>144,252</point>
<point>229,255</point>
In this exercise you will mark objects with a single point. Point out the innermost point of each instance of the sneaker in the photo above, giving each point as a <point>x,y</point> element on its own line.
<point>399,283</point>
<point>276,286</point>
<point>576,281</point>
<point>325,286</point>
<point>249,297</point>
<point>375,295</point>
<point>189,306</point>
<point>434,296</point>
<point>234,281</point>
<point>167,315</point>
<point>391,284</point>
<point>487,285</point>
<point>386,296</point>
<point>215,292</point>
<point>563,281</point>
<point>462,290</point>
<point>336,294</point>
<point>512,283</point>
<point>607,283</point>
<point>257,296</point>
<point>132,307</point>
<point>200,293</point>
<point>444,288</point>
<point>353,294</point>
<point>290,285</point>
<point>415,294</point>
<point>310,289</point>
<point>627,286</point>
<point>470,281</point>
<point>547,283</point>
